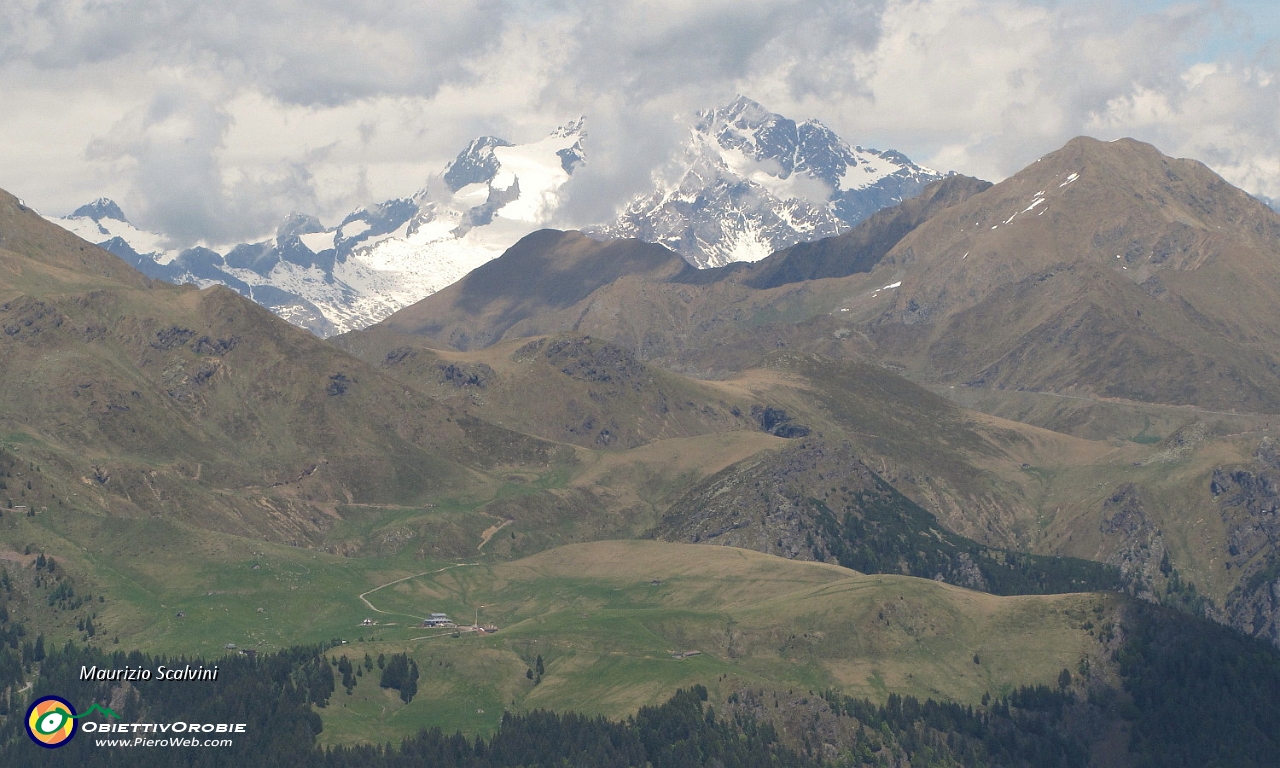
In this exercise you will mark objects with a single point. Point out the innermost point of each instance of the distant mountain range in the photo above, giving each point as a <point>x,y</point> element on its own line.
<point>379,258</point>
<point>969,283</point>
<point>747,183</point>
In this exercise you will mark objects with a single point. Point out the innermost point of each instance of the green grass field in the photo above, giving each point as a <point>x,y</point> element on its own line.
<point>607,634</point>
<point>606,617</point>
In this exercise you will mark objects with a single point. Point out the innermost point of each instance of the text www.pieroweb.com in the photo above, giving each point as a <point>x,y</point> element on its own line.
<point>164,734</point>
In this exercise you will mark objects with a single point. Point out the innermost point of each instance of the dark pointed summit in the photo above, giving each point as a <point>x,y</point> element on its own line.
<point>474,165</point>
<point>102,208</point>
<point>298,224</point>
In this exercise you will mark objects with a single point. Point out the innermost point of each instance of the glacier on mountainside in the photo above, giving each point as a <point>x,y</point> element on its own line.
<point>377,259</point>
<point>746,183</point>
<point>749,182</point>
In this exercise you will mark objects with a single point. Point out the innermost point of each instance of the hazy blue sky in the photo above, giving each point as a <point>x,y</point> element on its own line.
<point>212,120</point>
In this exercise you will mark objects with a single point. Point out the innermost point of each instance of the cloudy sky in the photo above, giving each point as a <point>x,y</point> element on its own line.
<point>210,121</point>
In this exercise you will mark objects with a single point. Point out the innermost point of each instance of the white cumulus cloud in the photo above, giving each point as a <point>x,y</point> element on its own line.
<point>211,121</point>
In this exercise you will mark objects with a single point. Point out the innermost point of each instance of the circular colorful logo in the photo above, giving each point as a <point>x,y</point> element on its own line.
<point>51,721</point>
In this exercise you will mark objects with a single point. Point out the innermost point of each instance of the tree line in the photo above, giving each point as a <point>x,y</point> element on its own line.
<point>882,531</point>
<point>1194,694</point>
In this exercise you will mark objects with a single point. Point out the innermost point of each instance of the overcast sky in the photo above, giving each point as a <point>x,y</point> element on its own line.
<point>212,120</point>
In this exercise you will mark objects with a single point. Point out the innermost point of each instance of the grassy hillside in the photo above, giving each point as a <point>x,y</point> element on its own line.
<point>607,632</point>
<point>202,474</point>
<point>1106,292</point>
<point>545,273</point>
<point>568,388</point>
<point>997,481</point>
<point>124,397</point>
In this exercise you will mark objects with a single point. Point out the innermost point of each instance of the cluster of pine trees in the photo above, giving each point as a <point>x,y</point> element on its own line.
<point>535,672</point>
<point>1027,728</point>
<point>1202,694</point>
<point>400,673</point>
<point>682,732</point>
<point>18,652</point>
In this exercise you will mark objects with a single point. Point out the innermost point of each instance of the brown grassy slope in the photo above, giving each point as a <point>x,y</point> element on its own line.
<point>961,465</point>
<point>546,272</point>
<point>142,398</point>
<point>1002,295</point>
<point>861,248</point>
<point>967,468</point>
<point>568,388</point>
<point>708,322</point>
<point>1137,276</point>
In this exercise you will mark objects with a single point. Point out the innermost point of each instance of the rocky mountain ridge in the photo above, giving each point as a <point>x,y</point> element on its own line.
<point>1106,291</point>
<point>749,182</point>
<point>378,258</point>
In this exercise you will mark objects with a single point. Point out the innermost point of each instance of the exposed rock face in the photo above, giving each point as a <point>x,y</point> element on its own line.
<point>1248,499</point>
<point>458,375</point>
<point>777,422</point>
<point>1143,552</point>
<point>761,503</point>
<point>1256,610</point>
<point>817,500</point>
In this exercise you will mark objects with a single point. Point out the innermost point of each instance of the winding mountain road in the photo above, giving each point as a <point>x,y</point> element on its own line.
<point>364,595</point>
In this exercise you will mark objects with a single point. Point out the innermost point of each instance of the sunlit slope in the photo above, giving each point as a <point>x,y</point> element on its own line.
<point>596,394</point>
<point>1102,268</point>
<point>568,388</point>
<point>607,617</point>
<point>129,397</point>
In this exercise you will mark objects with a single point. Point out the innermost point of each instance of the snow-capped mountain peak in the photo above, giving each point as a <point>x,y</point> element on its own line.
<point>750,181</point>
<point>476,164</point>
<point>103,222</point>
<point>753,131</point>
<point>102,208</point>
<point>746,183</point>
<point>378,258</point>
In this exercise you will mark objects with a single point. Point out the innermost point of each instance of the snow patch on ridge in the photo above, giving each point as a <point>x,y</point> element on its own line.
<point>354,229</point>
<point>889,287</point>
<point>318,242</point>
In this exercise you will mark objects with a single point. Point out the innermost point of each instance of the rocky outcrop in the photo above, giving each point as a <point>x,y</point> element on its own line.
<point>1141,557</point>
<point>762,503</point>
<point>1248,498</point>
<point>817,500</point>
